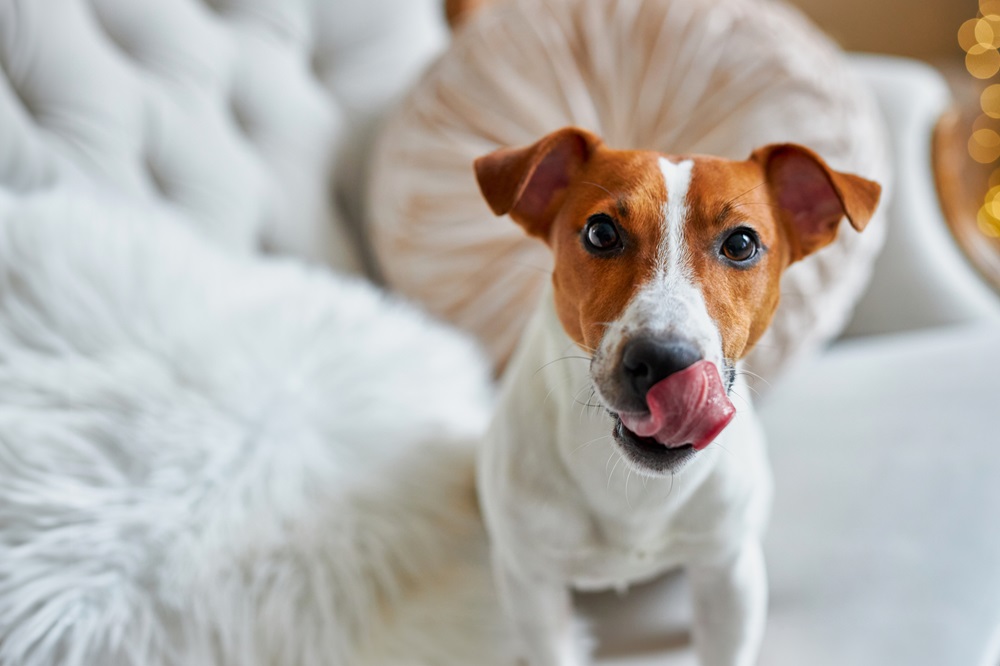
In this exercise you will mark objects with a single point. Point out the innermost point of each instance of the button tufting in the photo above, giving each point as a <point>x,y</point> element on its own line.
<point>319,64</point>
<point>31,110</point>
<point>158,181</point>
<point>213,5</point>
<point>13,84</point>
<point>240,117</point>
<point>209,105</point>
<point>114,37</point>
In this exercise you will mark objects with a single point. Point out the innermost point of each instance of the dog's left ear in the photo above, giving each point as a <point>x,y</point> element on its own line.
<point>529,183</point>
<point>813,197</point>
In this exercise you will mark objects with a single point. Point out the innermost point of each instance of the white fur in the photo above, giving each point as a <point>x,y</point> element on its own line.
<point>215,461</point>
<point>562,511</point>
<point>557,499</point>
<point>672,255</point>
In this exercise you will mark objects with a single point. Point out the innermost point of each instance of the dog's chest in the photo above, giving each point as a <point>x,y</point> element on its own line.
<point>639,526</point>
<point>630,556</point>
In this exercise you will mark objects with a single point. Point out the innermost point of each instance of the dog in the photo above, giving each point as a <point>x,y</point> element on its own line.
<point>666,273</point>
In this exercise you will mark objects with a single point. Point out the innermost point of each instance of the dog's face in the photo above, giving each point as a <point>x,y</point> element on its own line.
<point>667,269</point>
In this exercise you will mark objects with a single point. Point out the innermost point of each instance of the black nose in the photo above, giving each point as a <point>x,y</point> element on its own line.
<point>646,361</point>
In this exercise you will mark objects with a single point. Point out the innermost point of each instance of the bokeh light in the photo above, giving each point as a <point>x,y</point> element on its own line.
<point>990,100</point>
<point>982,32</point>
<point>982,61</point>
<point>987,222</point>
<point>984,146</point>
<point>988,31</point>
<point>980,39</point>
<point>992,202</point>
<point>967,34</point>
<point>983,122</point>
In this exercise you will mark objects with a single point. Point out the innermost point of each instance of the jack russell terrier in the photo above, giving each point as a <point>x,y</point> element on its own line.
<point>667,272</point>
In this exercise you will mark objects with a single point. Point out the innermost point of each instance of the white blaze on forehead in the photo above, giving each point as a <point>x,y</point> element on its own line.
<point>671,302</point>
<point>677,178</point>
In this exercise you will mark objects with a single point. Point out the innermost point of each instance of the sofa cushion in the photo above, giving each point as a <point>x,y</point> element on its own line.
<point>884,542</point>
<point>235,112</point>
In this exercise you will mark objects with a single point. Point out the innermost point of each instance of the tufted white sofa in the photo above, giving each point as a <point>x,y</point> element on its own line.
<point>251,118</point>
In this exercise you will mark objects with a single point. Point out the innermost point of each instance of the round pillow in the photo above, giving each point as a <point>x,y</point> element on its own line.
<point>678,76</point>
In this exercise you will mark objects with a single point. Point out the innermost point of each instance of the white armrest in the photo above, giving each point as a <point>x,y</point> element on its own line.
<point>884,544</point>
<point>922,279</point>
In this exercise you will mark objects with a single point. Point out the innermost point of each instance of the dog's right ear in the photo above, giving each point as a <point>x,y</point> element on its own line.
<point>529,183</point>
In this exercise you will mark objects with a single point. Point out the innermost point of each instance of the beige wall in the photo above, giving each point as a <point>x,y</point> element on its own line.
<point>918,28</point>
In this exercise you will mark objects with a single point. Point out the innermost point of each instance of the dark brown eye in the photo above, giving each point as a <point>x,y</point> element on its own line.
<point>740,246</point>
<point>601,234</point>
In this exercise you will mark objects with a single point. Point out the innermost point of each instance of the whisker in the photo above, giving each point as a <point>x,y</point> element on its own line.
<point>627,479</point>
<point>600,187</point>
<point>620,458</point>
<point>598,406</point>
<point>548,395</point>
<point>561,358</point>
<point>751,373</point>
<point>755,203</point>
<point>768,345</point>
<point>755,391</point>
<point>588,443</point>
<point>723,448</point>
<point>737,395</point>
<point>738,197</point>
<point>576,396</point>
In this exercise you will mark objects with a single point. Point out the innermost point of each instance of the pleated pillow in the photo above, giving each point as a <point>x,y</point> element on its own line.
<point>714,77</point>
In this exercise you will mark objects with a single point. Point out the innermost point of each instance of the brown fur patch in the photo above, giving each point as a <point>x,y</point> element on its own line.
<point>725,196</point>
<point>554,186</point>
<point>591,291</point>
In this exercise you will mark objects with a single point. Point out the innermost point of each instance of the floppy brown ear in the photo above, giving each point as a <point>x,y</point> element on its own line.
<point>528,183</point>
<point>813,197</point>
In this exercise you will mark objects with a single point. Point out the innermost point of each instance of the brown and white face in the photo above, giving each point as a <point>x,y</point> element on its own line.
<point>667,269</point>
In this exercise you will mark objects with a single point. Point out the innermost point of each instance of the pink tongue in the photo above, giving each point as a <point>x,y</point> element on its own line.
<point>688,407</point>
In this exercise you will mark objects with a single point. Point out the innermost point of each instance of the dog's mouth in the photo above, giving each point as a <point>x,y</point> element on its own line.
<point>684,413</point>
<point>648,454</point>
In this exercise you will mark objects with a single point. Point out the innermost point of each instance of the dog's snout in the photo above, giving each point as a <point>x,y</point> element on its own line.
<point>646,361</point>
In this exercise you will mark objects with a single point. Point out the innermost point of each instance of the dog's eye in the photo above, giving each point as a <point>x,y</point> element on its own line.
<point>601,234</point>
<point>741,246</point>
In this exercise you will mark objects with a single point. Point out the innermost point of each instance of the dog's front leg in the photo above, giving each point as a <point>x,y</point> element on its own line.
<point>730,606</point>
<point>540,611</point>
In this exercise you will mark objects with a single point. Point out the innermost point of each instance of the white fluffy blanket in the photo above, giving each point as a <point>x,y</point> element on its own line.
<point>207,459</point>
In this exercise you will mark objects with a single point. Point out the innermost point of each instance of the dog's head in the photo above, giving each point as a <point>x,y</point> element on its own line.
<point>667,269</point>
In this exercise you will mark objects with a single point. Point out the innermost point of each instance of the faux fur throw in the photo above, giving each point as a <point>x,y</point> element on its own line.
<point>209,460</point>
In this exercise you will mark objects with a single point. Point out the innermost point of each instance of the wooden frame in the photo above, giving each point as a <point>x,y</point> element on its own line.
<point>959,201</point>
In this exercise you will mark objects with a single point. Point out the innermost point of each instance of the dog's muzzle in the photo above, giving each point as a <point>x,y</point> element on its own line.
<point>675,403</point>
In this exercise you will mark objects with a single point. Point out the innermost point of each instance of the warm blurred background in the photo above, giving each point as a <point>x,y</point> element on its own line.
<point>959,37</point>
<point>900,27</point>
